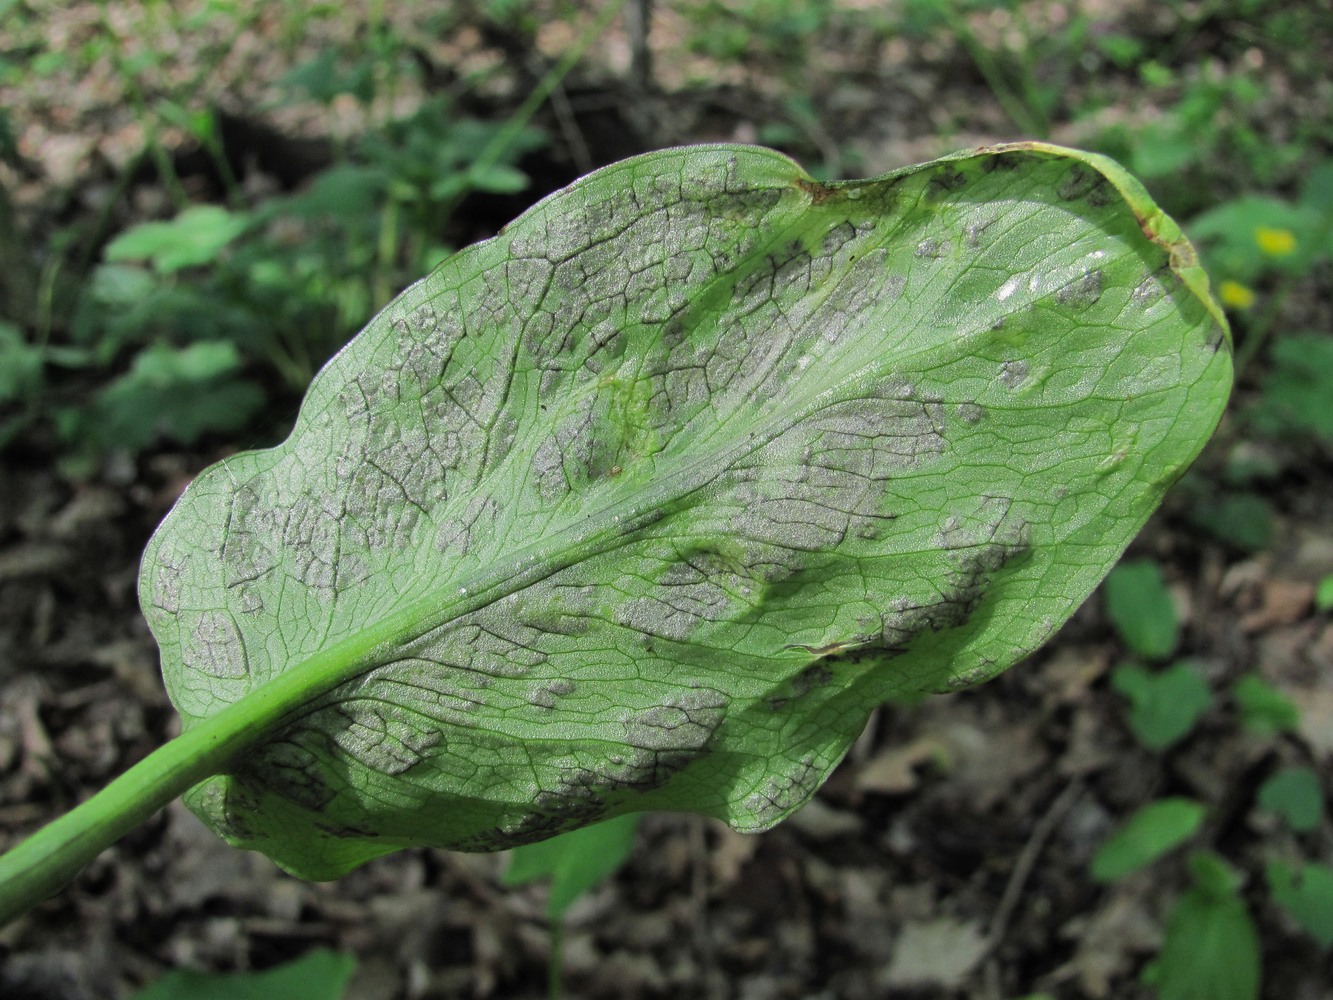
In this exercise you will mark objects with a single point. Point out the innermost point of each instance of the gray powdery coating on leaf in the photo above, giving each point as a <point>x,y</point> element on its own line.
<point>696,587</point>
<point>290,769</point>
<point>379,735</point>
<point>1082,181</point>
<point>1082,292</point>
<point>167,577</point>
<point>800,495</point>
<point>1013,374</point>
<point>659,741</point>
<point>213,645</point>
<point>978,547</point>
<point>1149,291</point>
<point>666,737</point>
<point>934,248</point>
<point>785,791</point>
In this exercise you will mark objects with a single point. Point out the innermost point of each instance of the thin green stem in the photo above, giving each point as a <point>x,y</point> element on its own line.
<point>504,139</point>
<point>166,169</point>
<point>555,965</point>
<point>44,863</point>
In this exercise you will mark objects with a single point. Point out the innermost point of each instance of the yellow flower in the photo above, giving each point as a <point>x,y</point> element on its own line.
<point>1234,295</point>
<point>1275,242</point>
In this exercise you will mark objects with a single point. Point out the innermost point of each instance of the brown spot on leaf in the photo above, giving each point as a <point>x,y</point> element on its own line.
<point>819,193</point>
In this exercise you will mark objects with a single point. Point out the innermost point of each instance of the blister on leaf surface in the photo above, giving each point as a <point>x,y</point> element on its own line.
<point>648,501</point>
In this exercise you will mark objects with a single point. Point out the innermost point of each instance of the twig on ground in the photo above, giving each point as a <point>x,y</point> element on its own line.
<point>1027,860</point>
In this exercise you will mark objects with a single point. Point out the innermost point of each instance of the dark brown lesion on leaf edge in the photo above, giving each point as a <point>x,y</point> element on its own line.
<point>819,193</point>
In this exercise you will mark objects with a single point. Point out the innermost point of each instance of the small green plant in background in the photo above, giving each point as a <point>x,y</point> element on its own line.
<point>1210,944</point>
<point>1264,710</point>
<point>1265,250</point>
<point>1141,609</point>
<point>1323,596</point>
<point>21,365</point>
<point>1293,794</point>
<point>1199,114</point>
<point>1153,831</point>
<point>1305,892</point>
<point>1165,701</point>
<point>1263,247</point>
<point>169,393</point>
<point>1028,66</point>
<point>1257,246</point>
<point>1252,239</point>
<point>774,33</point>
<point>1302,888</point>
<point>573,863</point>
<point>1296,392</point>
<point>290,280</point>
<point>1164,704</point>
<point>1231,509</point>
<point>194,238</point>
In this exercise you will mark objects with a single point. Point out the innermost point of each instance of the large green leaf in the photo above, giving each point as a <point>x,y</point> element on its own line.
<point>647,502</point>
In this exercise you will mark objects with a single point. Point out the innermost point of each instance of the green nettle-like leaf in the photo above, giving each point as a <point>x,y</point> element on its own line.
<point>649,501</point>
<point>193,238</point>
<point>1151,832</point>
<point>1141,609</point>
<point>1305,892</point>
<point>1294,794</point>
<point>1211,945</point>
<point>1164,705</point>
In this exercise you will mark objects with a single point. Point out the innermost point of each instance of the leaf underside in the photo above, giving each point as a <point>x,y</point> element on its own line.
<point>648,501</point>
